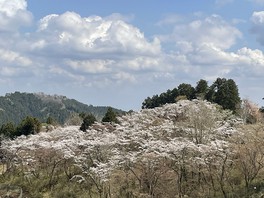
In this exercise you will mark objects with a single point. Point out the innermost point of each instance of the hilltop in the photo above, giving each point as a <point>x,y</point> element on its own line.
<point>185,149</point>
<point>16,106</point>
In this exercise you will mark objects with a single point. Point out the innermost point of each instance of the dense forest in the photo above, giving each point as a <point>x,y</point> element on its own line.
<point>201,141</point>
<point>15,107</point>
<point>223,92</point>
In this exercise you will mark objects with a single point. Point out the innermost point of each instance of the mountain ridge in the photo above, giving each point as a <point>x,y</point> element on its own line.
<point>16,106</point>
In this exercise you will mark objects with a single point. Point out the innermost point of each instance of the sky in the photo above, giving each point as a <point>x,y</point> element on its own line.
<point>117,53</point>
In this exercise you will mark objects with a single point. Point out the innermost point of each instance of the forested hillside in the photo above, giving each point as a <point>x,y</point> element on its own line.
<point>186,149</point>
<point>223,92</point>
<point>14,107</point>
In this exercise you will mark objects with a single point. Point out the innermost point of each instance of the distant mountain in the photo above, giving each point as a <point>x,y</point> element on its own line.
<point>16,106</point>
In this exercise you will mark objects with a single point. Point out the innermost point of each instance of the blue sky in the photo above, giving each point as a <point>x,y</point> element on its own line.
<point>120,52</point>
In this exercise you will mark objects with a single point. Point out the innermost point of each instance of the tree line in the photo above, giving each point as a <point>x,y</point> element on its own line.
<point>32,125</point>
<point>223,92</point>
<point>16,106</point>
<point>89,119</point>
<point>29,125</point>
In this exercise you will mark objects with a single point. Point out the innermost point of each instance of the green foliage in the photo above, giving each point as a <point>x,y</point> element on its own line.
<point>8,130</point>
<point>110,116</point>
<point>187,90</point>
<point>16,106</point>
<point>159,100</point>
<point>51,121</point>
<point>201,88</point>
<point>223,92</point>
<point>82,115</point>
<point>29,125</point>
<point>88,120</point>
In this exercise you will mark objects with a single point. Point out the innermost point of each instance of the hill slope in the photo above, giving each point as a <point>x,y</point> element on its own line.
<point>16,106</point>
<point>177,150</point>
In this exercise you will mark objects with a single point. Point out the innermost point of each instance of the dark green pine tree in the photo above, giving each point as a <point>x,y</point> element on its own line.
<point>8,130</point>
<point>29,125</point>
<point>230,98</point>
<point>225,93</point>
<point>212,95</point>
<point>110,116</point>
<point>201,89</point>
<point>88,120</point>
<point>186,90</point>
<point>146,103</point>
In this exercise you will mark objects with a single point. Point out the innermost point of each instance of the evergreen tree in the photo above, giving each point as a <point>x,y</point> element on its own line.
<point>146,103</point>
<point>201,89</point>
<point>51,121</point>
<point>88,120</point>
<point>29,125</point>
<point>8,130</point>
<point>110,116</point>
<point>225,93</point>
<point>82,115</point>
<point>171,95</point>
<point>231,99</point>
<point>186,90</point>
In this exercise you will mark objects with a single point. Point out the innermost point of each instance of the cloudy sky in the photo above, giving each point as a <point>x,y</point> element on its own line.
<point>117,52</point>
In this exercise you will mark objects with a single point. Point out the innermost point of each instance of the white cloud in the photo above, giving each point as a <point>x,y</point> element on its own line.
<point>123,76</point>
<point>258,26</point>
<point>118,16</point>
<point>8,71</point>
<point>202,49</point>
<point>258,17</point>
<point>91,66</point>
<point>94,35</point>
<point>10,8</point>
<point>207,54</point>
<point>254,59</point>
<point>14,65</point>
<point>68,50</point>
<point>14,14</point>
<point>212,30</point>
<point>93,45</point>
<point>12,57</point>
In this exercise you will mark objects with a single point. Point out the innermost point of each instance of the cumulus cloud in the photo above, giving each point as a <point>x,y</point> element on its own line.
<point>14,14</point>
<point>258,26</point>
<point>10,8</point>
<point>204,48</point>
<point>12,57</point>
<point>123,76</point>
<point>211,30</point>
<point>14,65</point>
<point>93,45</point>
<point>93,35</point>
<point>254,59</point>
<point>92,66</point>
<point>70,50</point>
